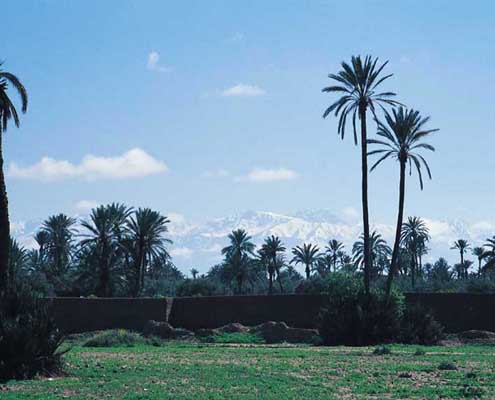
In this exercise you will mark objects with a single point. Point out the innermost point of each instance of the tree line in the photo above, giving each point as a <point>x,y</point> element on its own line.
<point>122,251</point>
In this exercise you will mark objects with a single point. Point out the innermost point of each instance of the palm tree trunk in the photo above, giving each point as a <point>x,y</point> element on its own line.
<point>479,266</point>
<point>270,282</point>
<point>364,199</point>
<point>280,283</point>
<point>4,229</point>
<point>413,271</point>
<point>462,264</point>
<point>398,230</point>
<point>308,271</point>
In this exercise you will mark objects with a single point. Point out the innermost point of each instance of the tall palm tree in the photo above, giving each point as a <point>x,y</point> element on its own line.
<point>479,252</point>
<point>378,247</point>
<point>414,235</point>
<point>359,83</point>
<point>308,255</point>
<point>462,245</point>
<point>240,243</point>
<point>271,248</point>
<point>194,273</point>
<point>403,136</point>
<point>145,241</point>
<point>334,249</point>
<point>8,112</point>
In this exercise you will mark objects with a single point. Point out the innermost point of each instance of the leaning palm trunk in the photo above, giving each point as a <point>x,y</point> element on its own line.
<point>364,194</point>
<point>4,229</point>
<point>398,231</point>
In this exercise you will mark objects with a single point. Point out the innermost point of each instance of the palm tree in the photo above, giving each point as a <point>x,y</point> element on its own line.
<point>378,247</point>
<point>240,270</point>
<point>462,245</point>
<point>7,112</point>
<point>324,264</point>
<point>237,256</point>
<point>334,250</point>
<point>104,227</point>
<point>17,261</point>
<point>271,249</point>
<point>403,136</point>
<point>414,235</point>
<point>58,231</point>
<point>358,83</point>
<point>194,273</point>
<point>307,255</point>
<point>489,253</point>
<point>240,243</point>
<point>145,241</point>
<point>479,252</point>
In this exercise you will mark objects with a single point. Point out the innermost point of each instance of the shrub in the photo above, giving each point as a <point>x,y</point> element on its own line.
<point>350,317</point>
<point>29,339</point>
<point>382,351</point>
<point>447,366</point>
<point>115,338</point>
<point>420,327</point>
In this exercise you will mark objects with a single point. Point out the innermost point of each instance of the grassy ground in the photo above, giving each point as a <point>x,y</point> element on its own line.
<point>212,371</point>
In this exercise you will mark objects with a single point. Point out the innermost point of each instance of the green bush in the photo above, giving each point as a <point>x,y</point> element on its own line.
<point>419,327</point>
<point>29,339</point>
<point>447,366</point>
<point>195,287</point>
<point>115,338</point>
<point>350,317</point>
<point>382,351</point>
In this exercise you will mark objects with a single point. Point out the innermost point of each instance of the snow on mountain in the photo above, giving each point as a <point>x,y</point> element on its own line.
<point>199,245</point>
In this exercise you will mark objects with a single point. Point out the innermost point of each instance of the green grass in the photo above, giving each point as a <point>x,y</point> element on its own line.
<point>235,337</point>
<point>190,370</point>
<point>115,338</point>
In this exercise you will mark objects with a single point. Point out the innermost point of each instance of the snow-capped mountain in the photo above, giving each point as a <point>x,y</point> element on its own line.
<point>199,245</point>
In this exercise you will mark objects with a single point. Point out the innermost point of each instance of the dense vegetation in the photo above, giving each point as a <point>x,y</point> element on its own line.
<point>121,251</point>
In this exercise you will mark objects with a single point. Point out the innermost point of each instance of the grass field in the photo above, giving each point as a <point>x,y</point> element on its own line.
<point>212,371</point>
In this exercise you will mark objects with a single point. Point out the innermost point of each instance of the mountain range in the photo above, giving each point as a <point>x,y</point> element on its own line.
<point>199,244</point>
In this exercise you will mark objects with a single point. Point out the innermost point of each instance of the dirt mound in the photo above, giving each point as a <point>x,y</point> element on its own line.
<point>164,330</point>
<point>279,332</point>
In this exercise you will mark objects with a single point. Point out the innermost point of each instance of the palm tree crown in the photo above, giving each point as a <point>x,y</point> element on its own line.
<point>403,136</point>
<point>307,255</point>
<point>334,250</point>
<point>378,247</point>
<point>8,112</point>
<point>7,108</point>
<point>358,84</point>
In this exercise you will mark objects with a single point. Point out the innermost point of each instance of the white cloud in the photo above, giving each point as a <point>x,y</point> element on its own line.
<point>243,90</point>
<point>236,37</point>
<point>217,173</point>
<point>350,214</point>
<point>268,175</point>
<point>154,63</point>
<point>86,205</point>
<point>134,163</point>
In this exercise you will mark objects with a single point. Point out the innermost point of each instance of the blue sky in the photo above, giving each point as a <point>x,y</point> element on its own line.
<point>211,108</point>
